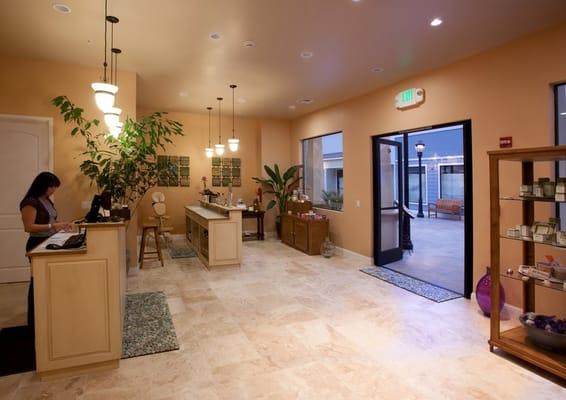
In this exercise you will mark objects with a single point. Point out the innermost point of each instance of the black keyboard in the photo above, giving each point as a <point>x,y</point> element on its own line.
<point>75,241</point>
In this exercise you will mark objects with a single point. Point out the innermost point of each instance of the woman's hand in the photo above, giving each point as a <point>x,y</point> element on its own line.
<point>63,226</point>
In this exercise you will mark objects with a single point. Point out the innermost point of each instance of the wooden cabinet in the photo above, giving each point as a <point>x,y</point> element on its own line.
<point>514,340</point>
<point>303,234</point>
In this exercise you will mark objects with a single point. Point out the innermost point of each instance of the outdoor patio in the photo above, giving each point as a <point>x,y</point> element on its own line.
<point>438,252</point>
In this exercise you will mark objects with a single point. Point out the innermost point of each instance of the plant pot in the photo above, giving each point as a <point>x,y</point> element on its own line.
<point>278,226</point>
<point>123,213</point>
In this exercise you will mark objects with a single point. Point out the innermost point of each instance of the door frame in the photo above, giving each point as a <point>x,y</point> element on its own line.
<point>394,254</point>
<point>468,191</point>
<point>17,275</point>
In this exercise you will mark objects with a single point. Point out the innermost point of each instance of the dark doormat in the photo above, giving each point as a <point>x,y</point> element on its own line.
<point>148,327</point>
<point>413,285</point>
<point>178,249</point>
<point>17,350</point>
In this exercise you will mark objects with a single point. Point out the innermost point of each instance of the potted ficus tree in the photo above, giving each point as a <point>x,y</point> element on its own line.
<point>125,166</point>
<point>281,186</point>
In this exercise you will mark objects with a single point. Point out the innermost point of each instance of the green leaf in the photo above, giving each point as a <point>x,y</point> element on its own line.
<point>271,204</point>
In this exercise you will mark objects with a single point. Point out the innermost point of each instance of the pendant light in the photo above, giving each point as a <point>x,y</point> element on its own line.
<point>104,92</point>
<point>209,151</point>
<point>219,146</point>
<point>112,114</point>
<point>233,142</point>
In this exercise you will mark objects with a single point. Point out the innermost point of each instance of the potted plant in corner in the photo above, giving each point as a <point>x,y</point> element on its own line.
<point>126,165</point>
<point>281,186</point>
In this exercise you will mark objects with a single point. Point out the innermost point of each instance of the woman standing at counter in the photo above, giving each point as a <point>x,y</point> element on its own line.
<point>40,219</point>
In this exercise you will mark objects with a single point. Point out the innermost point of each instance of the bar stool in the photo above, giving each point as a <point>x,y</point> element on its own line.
<point>147,228</point>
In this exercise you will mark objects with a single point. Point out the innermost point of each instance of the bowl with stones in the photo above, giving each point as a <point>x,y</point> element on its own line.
<point>547,332</point>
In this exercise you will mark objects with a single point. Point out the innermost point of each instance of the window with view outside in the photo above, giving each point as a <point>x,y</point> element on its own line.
<point>323,179</point>
<point>452,182</point>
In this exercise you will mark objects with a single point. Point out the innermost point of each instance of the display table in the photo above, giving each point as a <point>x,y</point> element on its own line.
<point>79,298</point>
<point>258,216</point>
<point>215,234</point>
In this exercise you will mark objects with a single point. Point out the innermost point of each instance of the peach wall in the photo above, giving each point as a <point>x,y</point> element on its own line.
<point>275,149</point>
<point>193,143</point>
<point>27,87</point>
<point>262,142</point>
<point>505,91</point>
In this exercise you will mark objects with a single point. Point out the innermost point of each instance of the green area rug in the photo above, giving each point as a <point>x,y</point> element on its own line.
<point>148,327</point>
<point>179,249</point>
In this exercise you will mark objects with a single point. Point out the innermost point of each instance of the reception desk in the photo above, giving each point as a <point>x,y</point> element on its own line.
<point>79,298</point>
<point>215,234</point>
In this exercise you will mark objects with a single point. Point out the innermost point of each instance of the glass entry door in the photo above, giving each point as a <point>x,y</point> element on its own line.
<point>388,201</point>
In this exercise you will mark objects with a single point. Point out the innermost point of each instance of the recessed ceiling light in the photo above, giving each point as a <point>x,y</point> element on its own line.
<point>248,43</point>
<point>214,36</point>
<point>292,107</point>
<point>241,100</point>
<point>183,94</point>
<point>356,1</point>
<point>307,54</point>
<point>305,101</point>
<point>435,22</point>
<point>377,69</point>
<point>62,8</point>
<point>563,113</point>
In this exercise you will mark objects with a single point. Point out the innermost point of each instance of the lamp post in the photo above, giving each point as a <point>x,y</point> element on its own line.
<point>419,147</point>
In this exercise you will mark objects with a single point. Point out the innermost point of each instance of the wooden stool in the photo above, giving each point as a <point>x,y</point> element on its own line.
<point>147,228</point>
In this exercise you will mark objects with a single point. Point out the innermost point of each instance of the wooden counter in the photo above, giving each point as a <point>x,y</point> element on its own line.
<point>79,298</point>
<point>215,234</point>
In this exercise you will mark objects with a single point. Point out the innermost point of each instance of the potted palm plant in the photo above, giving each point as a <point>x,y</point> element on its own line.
<point>126,165</point>
<point>281,186</point>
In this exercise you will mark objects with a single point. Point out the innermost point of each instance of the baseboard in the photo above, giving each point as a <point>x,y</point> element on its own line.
<point>13,275</point>
<point>509,312</point>
<point>345,252</point>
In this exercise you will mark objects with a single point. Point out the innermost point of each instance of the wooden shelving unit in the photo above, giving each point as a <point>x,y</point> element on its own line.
<point>514,341</point>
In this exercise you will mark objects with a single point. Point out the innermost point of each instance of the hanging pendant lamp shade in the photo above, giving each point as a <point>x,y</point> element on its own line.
<point>116,129</point>
<point>233,142</point>
<point>104,94</point>
<point>219,147</point>
<point>209,151</point>
<point>112,117</point>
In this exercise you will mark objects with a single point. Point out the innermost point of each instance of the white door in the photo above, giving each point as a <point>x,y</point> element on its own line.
<point>25,150</point>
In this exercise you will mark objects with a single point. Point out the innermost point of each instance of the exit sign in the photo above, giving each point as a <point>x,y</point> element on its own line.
<point>409,98</point>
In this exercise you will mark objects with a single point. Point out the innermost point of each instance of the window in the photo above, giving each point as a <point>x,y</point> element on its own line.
<point>451,181</point>
<point>323,179</point>
<point>414,184</point>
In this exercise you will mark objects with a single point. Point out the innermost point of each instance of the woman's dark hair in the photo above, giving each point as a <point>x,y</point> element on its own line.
<point>41,183</point>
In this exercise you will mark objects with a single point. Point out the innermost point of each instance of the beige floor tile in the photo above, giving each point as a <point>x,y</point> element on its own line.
<point>289,326</point>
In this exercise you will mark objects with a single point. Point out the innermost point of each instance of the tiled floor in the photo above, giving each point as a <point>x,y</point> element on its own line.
<point>288,326</point>
<point>438,253</point>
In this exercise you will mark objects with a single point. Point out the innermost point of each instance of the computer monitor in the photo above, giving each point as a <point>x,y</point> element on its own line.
<point>93,215</point>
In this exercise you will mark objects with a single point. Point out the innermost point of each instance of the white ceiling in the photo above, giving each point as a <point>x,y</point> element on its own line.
<point>167,43</point>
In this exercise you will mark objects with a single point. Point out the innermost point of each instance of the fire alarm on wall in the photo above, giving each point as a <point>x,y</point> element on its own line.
<point>409,98</point>
<point>505,142</point>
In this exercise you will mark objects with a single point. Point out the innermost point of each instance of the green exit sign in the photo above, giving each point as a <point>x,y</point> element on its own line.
<point>407,95</point>
<point>409,98</point>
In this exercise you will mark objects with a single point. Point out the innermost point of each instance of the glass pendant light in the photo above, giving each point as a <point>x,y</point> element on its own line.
<point>104,92</point>
<point>209,151</point>
<point>219,147</point>
<point>112,114</point>
<point>116,129</point>
<point>233,142</point>
<point>112,117</point>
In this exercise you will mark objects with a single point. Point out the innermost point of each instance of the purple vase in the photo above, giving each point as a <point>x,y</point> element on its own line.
<point>483,293</point>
